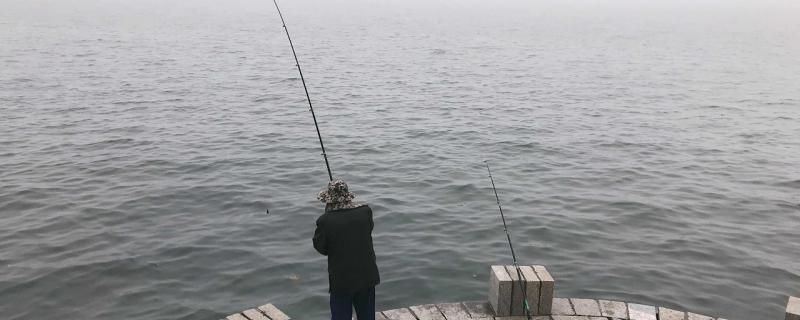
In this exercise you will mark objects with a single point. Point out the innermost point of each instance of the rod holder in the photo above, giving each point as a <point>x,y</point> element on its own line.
<point>506,290</point>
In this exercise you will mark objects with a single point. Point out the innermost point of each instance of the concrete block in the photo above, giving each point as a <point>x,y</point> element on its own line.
<point>500,291</point>
<point>694,316</point>
<point>586,307</point>
<point>380,316</point>
<point>517,307</point>
<point>669,314</point>
<point>793,309</point>
<point>453,311</point>
<point>546,290</point>
<point>236,316</point>
<point>273,313</point>
<point>427,312</point>
<point>533,284</point>
<point>556,317</point>
<point>479,309</point>
<point>641,312</point>
<point>399,314</point>
<point>614,309</point>
<point>561,306</point>
<point>254,314</point>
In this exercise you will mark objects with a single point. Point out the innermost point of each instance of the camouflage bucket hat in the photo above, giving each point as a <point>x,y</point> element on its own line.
<point>337,192</point>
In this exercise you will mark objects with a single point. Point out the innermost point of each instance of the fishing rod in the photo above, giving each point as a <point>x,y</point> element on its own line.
<point>308,97</point>
<point>513,256</point>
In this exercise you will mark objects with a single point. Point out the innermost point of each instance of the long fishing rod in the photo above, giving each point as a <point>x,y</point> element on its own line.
<point>513,256</point>
<point>308,97</point>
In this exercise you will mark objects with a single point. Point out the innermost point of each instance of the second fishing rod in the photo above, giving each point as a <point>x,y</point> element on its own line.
<point>520,276</point>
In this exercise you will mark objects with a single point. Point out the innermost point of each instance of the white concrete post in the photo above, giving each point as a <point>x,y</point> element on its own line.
<point>793,309</point>
<point>505,290</point>
<point>500,291</point>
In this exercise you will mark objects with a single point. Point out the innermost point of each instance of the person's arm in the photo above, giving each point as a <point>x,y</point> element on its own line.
<point>320,243</point>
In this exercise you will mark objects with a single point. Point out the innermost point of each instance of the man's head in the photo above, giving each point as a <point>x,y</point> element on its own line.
<point>337,194</point>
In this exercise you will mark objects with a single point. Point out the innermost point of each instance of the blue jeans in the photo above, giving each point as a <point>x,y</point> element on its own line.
<point>363,301</point>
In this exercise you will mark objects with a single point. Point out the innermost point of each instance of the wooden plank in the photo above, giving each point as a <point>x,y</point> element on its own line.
<point>427,312</point>
<point>695,316</point>
<point>236,316</point>
<point>273,313</point>
<point>479,309</point>
<point>614,309</point>
<point>670,314</point>
<point>380,316</point>
<point>399,314</point>
<point>641,312</point>
<point>586,307</point>
<point>561,306</point>
<point>254,314</point>
<point>453,311</point>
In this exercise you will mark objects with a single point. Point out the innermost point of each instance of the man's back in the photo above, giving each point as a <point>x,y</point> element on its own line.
<point>345,236</point>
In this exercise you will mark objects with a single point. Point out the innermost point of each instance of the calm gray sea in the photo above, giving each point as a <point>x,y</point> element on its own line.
<point>644,150</point>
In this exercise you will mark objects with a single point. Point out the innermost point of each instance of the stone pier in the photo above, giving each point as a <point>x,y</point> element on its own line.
<point>506,302</point>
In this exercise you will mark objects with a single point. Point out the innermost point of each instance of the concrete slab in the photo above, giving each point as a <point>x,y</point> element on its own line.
<point>586,307</point>
<point>525,318</point>
<point>695,316</point>
<point>500,291</point>
<point>427,312</point>
<point>615,309</point>
<point>479,309</point>
<point>254,314</point>
<point>380,316</point>
<point>546,290</point>
<point>669,314</point>
<point>236,316</point>
<point>555,317</point>
<point>561,306</point>
<point>399,314</point>
<point>641,312</point>
<point>533,283</point>
<point>453,311</point>
<point>793,309</point>
<point>273,313</point>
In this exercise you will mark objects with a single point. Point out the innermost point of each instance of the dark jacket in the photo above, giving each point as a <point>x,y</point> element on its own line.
<point>345,236</point>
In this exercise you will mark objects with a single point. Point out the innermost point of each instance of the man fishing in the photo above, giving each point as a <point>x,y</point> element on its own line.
<point>344,234</point>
